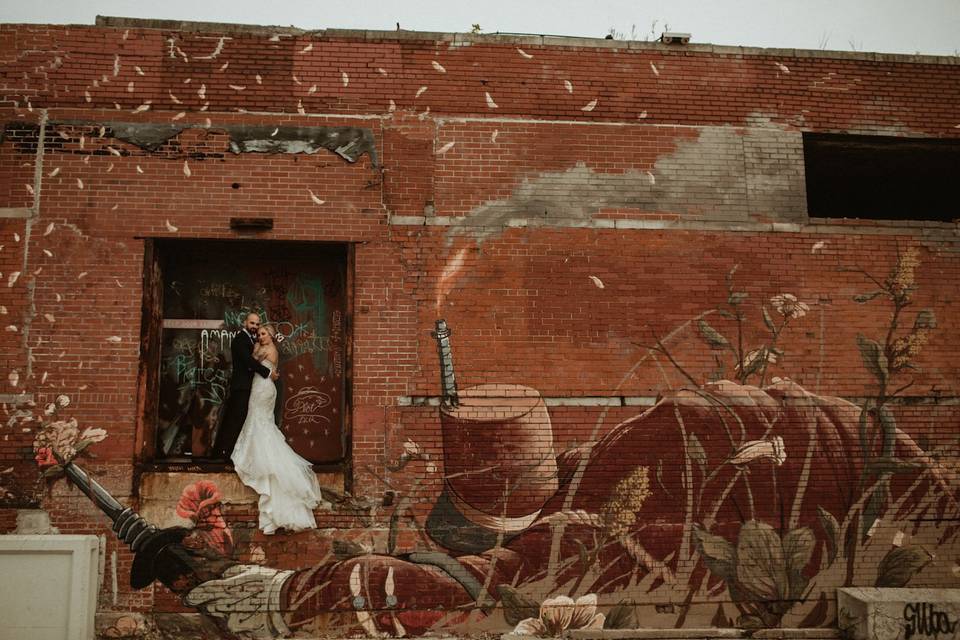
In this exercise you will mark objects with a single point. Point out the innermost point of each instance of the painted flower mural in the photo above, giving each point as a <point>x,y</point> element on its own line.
<point>200,503</point>
<point>560,614</point>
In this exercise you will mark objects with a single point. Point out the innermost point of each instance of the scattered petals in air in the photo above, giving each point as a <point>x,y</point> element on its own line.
<point>439,67</point>
<point>87,96</point>
<point>381,71</point>
<point>12,328</point>
<point>53,174</point>
<point>314,197</point>
<point>312,89</point>
<point>115,152</point>
<point>49,229</point>
<point>139,170</point>
<point>144,107</point>
<point>653,68</point>
<point>179,115</point>
<point>48,253</point>
<point>79,183</point>
<point>186,169</point>
<point>784,68</point>
<point>307,49</point>
<point>49,317</point>
<point>300,108</point>
<point>139,71</point>
<point>652,179</point>
<point>175,99</point>
<point>170,227</point>
<point>115,339</point>
<point>493,136</point>
<point>568,86</point>
<point>490,102</point>
<point>81,275</point>
<point>14,378</point>
<point>344,78</point>
<point>597,281</point>
<point>12,278</point>
<point>202,91</point>
<point>392,107</point>
<point>643,114</point>
<point>420,91</point>
<point>817,246</point>
<point>524,53</point>
<point>590,106</point>
<point>237,87</point>
<point>445,148</point>
<point>29,188</point>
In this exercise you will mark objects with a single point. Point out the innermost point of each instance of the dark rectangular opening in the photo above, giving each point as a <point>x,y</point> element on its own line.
<point>881,177</point>
<point>196,295</point>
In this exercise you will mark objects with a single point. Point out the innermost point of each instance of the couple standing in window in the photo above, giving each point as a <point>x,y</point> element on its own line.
<point>250,437</point>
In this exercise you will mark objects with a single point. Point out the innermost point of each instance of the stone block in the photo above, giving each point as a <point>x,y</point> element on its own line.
<point>898,614</point>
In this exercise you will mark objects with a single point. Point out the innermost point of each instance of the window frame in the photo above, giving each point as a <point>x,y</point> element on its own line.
<point>149,370</point>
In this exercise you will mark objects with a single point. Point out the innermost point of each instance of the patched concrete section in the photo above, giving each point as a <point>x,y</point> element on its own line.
<point>898,614</point>
<point>34,522</point>
<point>776,180</point>
<point>350,143</point>
<point>724,175</point>
<point>347,142</point>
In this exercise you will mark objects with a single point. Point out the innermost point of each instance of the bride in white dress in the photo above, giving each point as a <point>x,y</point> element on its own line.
<point>288,488</point>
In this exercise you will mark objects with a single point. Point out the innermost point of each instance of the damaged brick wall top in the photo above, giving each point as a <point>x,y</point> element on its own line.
<point>355,72</point>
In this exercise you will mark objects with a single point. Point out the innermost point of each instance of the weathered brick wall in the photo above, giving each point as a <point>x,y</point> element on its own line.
<point>596,203</point>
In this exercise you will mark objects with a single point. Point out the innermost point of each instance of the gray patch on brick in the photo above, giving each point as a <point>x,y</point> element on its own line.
<point>347,142</point>
<point>147,136</point>
<point>721,175</point>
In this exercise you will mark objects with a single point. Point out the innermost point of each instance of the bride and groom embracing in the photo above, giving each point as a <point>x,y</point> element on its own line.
<point>250,437</point>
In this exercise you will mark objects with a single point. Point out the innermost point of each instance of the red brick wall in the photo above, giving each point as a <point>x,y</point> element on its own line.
<point>522,292</point>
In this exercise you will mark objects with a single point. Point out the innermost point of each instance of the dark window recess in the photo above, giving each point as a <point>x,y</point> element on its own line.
<point>880,177</point>
<point>206,288</point>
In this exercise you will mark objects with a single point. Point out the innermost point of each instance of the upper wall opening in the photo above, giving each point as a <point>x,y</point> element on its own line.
<point>881,177</point>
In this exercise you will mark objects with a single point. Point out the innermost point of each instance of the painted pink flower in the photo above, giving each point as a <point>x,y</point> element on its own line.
<point>200,503</point>
<point>45,457</point>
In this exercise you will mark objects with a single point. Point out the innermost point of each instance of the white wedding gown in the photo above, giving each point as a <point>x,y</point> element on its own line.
<point>288,488</point>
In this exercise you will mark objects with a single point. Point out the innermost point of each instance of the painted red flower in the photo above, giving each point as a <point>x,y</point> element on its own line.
<point>45,457</point>
<point>200,503</point>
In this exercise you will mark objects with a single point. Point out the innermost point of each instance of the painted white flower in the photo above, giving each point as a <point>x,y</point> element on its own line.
<point>63,400</point>
<point>756,357</point>
<point>562,613</point>
<point>759,449</point>
<point>788,306</point>
<point>93,434</point>
<point>411,448</point>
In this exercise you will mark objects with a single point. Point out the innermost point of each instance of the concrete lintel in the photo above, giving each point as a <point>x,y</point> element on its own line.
<point>417,221</point>
<point>584,401</point>
<point>16,212</point>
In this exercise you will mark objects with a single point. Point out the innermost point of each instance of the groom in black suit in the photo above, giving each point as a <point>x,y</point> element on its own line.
<point>241,380</point>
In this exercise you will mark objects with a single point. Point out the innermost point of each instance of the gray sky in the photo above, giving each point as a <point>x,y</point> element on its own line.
<point>893,26</point>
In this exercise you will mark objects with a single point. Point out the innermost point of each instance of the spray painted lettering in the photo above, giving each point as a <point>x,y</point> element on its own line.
<point>923,619</point>
<point>306,406</point>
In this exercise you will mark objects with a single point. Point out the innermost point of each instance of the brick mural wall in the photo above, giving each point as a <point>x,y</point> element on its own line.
<point>683,401</point>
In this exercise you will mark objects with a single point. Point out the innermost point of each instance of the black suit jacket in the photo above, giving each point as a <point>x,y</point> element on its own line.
<point>244,366</point>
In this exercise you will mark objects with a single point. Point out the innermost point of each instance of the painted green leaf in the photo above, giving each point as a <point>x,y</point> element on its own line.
<point>767,320</point>
<point>737,298</point>
<point>797,549</point>
<point>83,444</point>
<point>867,297</point>
<point>864,445</point>
<point>696,452</point>
<point>726,314</point>
<point>873,357</point>
<point>712,336</point>
<point>832,529</point>
<point>889,425</point>
<point>621,616</point>
<point>901,564</point>
<point>761,568</point>
<point>925,320</point>
<point>750,621</point>
<point>873,509</point>
<point>718,554</point>
<point>877,466</point>
<point>55,470</point>
<point>516,606</point>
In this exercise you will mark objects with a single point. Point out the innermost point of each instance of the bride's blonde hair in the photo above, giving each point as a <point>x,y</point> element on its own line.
<point>272,331</point>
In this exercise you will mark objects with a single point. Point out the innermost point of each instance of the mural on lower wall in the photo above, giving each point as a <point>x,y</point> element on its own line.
<point>740,502</point>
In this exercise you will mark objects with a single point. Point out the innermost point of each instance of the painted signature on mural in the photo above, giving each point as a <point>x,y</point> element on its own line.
<point>306,405</point>
<point>923,619</point>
